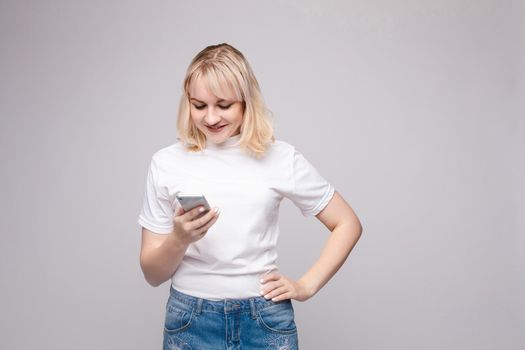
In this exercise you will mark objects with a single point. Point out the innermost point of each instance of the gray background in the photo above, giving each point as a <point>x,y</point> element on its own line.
<point>412,109</point>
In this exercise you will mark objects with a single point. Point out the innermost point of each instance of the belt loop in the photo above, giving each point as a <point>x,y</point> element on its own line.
<point>254,311</point>
<point>198,308</point>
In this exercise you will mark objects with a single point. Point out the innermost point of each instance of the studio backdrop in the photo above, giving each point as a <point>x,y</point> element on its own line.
<point>413,110</point>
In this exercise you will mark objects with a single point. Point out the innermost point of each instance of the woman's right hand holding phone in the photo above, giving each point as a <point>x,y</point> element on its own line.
<point>161,254</point>
<point>190,226</point>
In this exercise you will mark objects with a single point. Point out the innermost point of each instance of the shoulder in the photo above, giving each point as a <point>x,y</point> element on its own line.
<point>281,147</point>
<point>279,157</point>
<point>168,152</point>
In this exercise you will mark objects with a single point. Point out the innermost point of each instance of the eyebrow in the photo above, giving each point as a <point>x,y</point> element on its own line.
<point>218,101</point>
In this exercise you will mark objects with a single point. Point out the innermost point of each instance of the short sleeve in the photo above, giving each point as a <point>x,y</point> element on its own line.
<point>156,213</point>
<point>310,191</point>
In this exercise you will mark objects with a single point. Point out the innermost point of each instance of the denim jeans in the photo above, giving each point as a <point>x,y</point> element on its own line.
<point>256,323</point>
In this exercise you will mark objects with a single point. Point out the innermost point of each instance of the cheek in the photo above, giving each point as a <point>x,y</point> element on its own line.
<point>237,115</point>
<point>194,117</point>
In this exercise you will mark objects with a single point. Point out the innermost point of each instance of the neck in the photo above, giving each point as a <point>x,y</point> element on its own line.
<point>230,142</point>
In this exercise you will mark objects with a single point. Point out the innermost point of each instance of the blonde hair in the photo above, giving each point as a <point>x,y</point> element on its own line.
<point>224,67</point>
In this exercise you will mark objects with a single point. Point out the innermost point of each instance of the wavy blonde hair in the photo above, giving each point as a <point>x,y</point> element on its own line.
<point>224,67</point>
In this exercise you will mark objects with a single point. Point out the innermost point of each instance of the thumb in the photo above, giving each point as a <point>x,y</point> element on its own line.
<point>179,211</point>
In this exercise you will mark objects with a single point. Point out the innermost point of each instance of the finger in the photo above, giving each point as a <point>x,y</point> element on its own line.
<point>276,292</point>
<point>201,231</point>
<point>195,212</point>
<point>178,216</point>
<point>204,220</point>
<point>273,276</point>
<point>270,286</point>
<point>179,211</point>
<point>284,296</point>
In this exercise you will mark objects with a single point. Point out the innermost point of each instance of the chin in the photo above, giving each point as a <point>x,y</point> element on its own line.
<point>217,138</point>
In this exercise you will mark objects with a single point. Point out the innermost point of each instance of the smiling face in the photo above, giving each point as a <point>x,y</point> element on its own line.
<point>217,117</point>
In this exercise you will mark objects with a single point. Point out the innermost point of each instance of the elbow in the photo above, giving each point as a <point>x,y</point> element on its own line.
<point>356,225</point>
<point>352,226</point>
<point>353,230</point>
<point>152,282</point>
<point>359,229</point>
<point>149,276</point>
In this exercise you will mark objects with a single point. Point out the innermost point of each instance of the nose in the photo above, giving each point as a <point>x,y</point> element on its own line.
<point>212,116</point>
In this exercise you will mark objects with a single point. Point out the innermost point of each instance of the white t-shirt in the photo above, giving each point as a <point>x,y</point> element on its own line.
<point>241,246</point>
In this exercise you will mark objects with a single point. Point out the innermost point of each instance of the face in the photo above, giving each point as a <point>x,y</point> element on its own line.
<point>217,117</point>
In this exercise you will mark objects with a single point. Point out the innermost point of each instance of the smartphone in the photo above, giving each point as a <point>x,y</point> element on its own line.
<point>190,201</point>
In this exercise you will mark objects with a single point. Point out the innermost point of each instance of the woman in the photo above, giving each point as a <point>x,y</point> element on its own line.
<point>226,291</point>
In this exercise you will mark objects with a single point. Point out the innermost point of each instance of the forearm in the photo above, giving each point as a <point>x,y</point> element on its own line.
<point>335,252</point>
<point>160,263</point>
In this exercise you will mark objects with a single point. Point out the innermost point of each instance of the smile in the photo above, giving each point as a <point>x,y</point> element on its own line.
<point>216,128</point>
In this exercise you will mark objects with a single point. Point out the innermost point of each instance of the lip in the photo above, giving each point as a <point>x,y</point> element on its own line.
<point>215,130</point>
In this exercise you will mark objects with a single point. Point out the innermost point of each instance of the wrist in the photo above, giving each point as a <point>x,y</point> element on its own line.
<point>308,286</point>
<point>176,243</point>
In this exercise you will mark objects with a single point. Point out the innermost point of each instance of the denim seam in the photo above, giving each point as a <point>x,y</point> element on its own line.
<point>173,331</point>
<point>253,309</point>
<point>198,308</point>
<point>264,325</point>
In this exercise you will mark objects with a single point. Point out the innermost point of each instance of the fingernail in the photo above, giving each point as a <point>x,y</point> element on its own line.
<point>262,281</point>
<point>201,209</point>
<point>261,292</point>
<point>217,210</point>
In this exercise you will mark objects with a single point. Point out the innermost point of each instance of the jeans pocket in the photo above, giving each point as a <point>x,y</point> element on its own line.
<point>178,316</point>
<point>278,318</point>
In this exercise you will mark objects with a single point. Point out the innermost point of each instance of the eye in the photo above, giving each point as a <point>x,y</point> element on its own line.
<point>199,106</point>
<point>225,107</point>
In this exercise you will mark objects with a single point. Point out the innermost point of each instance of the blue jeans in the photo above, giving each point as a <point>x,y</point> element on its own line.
<point>255,323</point>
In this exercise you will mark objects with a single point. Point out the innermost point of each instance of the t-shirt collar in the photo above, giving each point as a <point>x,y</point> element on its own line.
<point>230,142</point>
